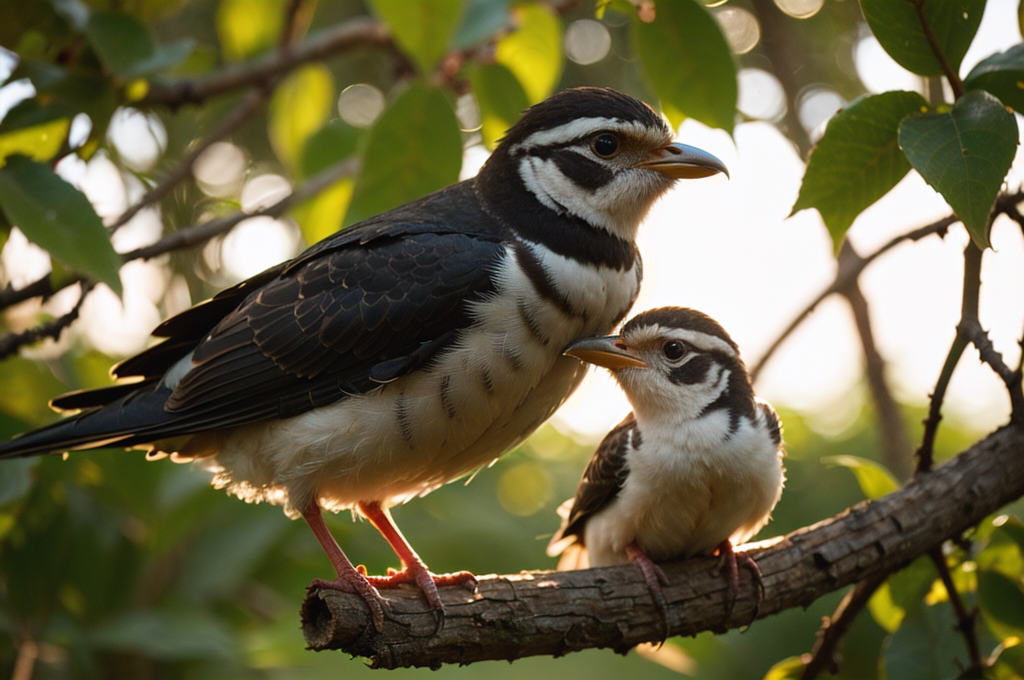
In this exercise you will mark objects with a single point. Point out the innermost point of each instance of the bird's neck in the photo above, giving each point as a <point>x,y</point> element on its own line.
<point>506,196</point>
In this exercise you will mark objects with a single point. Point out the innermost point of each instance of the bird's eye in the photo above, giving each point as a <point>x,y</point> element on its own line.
<point>605,145</point>
<point>674,350</point>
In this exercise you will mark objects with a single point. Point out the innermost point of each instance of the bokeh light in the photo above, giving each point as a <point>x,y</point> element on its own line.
<point>879,72</point>
<point>741,28</point>
<point>800,9</point>
<point>262,191</point>
<point>467,110</point>
<point>816,106</point>
<point>760,95</point>
<point>256,244</point>
<point>524,489</point>
<point>360,105</point>
<point>220,169</point>
<point>140,138</point>
<point>587,41</point>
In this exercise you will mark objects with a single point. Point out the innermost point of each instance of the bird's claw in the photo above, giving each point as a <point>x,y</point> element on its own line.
<point>655,577</point>
<point>427,582</point>
<point>729,562</point>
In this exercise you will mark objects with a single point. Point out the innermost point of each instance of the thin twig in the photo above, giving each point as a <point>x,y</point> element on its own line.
<point>965,619</point>
<point>849,270</point>
<point>349,35</point>
<point>250,104</point>
<point>951,75</point>
<point>11,343</point>
<point>968,311</point>
<point>896,445</point>
<point>834,628</point>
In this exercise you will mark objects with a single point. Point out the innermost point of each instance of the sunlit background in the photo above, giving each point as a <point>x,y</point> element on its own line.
<point>727,247</point>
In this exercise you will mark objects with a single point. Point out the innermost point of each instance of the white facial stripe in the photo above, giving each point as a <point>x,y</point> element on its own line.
<point>697,339</point>
<point>580,128</point>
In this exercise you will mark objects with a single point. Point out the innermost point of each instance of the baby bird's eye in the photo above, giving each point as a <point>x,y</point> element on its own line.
<point>674,350</point>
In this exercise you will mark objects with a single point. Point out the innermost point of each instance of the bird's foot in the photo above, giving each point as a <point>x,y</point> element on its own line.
<point>360,585</point>
<point>428,582</point>
<point>655,577</point>
<point>729,562</point>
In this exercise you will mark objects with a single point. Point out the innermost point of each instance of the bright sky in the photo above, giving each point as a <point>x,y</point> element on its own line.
<point>722,246</point>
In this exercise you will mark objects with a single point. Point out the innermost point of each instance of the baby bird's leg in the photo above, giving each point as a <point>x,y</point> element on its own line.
<point>655,578</point>
<point>729,565</point>
<point>349,580</point>
<point>413,569</point>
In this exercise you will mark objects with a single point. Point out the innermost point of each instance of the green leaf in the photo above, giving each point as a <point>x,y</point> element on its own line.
<point>501,99</point>
<point>164,635</point>
<point>481,21</point>
<point>874,480</point>
<point>125,47</point>
<point>964,153</point>
<point>247,27</point>
<point>414,148</point>
<point>689,64</point>
<point>899,29</point>
<point>1002,599</point>
<point>331,144</point>
<point>791,668</point>
<point>40,143</point>
<point>533,52</point>
<point>58,217</point>
<point>298,109</point>
<point>884,609</point>
<point>857,160</point>
<point>29,113</point>
<point>422,28</point>
<point>1002,75</point>
<point>909,585</point>
<point>926,647</point>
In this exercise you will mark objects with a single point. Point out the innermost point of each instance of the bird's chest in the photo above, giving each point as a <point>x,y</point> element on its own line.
<point>500,379</point>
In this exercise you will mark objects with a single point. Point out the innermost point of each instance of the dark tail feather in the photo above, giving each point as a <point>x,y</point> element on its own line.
<point>123,422</point>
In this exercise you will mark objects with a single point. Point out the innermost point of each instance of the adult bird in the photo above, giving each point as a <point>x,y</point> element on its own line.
<point>697,465</point>
<point>409,349</point>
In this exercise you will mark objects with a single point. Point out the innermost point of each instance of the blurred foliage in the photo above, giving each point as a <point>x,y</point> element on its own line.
<point>114,567</point>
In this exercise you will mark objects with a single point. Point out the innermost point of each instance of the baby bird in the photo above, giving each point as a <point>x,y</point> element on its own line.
<point>697,465</point>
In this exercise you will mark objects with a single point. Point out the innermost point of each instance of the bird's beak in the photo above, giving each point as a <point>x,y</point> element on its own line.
<point>606,352</point>
<point>680,161</point>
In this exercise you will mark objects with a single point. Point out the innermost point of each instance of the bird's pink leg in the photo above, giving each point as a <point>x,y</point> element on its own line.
<point>654,576</point>
<point>413,569</point>
<point>729,565</point>
<point>349,580</point>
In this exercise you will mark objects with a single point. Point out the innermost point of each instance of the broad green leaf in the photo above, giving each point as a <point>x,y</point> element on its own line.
<point>874,480</point>
<point>898,27</point>
<point>125,47</point>
<point>247,27</point>
<point>299,107</point>
<point>909,585</point>
<point>333,143</point>
<point>481,21</point>
<point>533,52</point>
<point>40,143</point>
<point>422,28</point>
<point>857,160</point>
<point>164,635</point>
<point>689,64</point>
<point>1002,599</point>
<point>1002,74</point>
<point>414,148</point>
<point>926,647</point>
<point>964,153</point>
<point>58,217</point>
<point>501,99</point>
<point>29,113</point>
<point>884,610</point>
<point>791,668</point>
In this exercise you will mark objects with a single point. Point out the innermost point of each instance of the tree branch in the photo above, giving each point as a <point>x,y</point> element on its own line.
<point>553,613</point>
<point>352,34</point>
<point>11,343</point>
<point>850,267</point>
<point>965,619</point>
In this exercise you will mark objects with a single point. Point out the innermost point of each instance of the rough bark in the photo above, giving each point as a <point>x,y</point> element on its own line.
<point>542,613</point>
